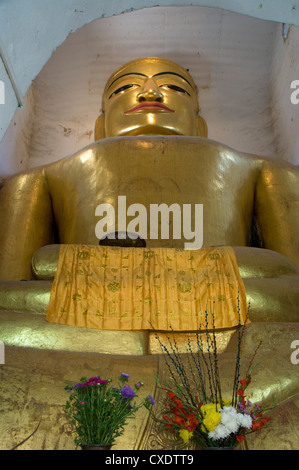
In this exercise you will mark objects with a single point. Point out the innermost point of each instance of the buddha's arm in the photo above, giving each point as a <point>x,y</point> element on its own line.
<point>277,208</point>
<point>26,223</point>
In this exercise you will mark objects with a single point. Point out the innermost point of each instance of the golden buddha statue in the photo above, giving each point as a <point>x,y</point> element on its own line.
<point>151,146</point>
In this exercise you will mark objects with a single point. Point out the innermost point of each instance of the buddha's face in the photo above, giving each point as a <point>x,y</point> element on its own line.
<point>150,96</point>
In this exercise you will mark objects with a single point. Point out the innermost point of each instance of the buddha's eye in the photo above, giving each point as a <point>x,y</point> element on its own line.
<point>177,88</point>
<point>119,90</point>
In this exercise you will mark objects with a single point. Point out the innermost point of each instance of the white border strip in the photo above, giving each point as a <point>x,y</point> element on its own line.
<point>11,75</point>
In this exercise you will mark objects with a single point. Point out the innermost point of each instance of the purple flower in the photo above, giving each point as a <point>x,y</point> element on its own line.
<point>127,392</point>
<point>151,399</point>
<point>125,376</point>
<point>77,385</point>
<point>82,402</point>
<point>241,407</point>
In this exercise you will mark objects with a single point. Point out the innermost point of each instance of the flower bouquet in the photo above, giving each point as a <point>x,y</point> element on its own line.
<point>99,411</point>
<point>196,409</point>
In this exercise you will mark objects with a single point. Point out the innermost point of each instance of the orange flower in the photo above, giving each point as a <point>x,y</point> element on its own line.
<point>192,422</point>
<point>179,420</point>
<point>178,403</point>
<point>256,425</point>
<point>192,418</point>
<point>240,438</point>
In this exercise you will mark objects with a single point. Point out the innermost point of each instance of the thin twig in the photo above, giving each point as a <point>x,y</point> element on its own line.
<point>26,438</point>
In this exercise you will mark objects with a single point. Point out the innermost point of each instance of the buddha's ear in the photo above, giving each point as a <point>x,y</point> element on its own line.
<point>99,128</point>
<point>202,128</point>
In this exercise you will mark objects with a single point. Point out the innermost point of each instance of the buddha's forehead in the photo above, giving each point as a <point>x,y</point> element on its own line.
<point>149,67</point>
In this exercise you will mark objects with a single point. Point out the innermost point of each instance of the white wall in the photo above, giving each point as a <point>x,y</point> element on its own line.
<point>7,109</point>
<point>285,114</point>
<point>15,147</point>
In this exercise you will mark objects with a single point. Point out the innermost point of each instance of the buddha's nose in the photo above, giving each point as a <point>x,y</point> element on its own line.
<point>150,92</point>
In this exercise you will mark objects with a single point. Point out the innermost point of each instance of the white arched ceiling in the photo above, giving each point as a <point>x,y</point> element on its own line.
<point>31,30</point>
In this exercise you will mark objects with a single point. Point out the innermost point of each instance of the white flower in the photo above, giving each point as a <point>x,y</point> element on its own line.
<point>245,420</point>
<point>231,421</point>
<point>220,432</point>
<point>229,418</point>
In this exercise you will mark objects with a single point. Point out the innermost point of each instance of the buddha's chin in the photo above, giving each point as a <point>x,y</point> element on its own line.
<point>150,130</point>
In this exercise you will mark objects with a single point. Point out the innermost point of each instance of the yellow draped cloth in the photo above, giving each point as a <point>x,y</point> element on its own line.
<point>118,288</point>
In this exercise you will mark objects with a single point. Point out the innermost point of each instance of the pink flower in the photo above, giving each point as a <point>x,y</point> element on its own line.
<point>95,381</point>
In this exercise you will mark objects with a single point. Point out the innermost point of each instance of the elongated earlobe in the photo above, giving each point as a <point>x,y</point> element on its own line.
<point>202,128</point>
<point>99,128</point>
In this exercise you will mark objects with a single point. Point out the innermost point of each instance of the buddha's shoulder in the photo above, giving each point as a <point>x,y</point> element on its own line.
<point>158,146</point>
<point>131,147</point>
<point>156,142</point>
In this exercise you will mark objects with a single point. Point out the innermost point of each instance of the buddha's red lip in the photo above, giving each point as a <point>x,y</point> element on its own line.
<point>150,105</point>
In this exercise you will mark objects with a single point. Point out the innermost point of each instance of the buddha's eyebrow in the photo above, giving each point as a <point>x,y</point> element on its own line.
<point>124,75</point>
<point>173,73</point>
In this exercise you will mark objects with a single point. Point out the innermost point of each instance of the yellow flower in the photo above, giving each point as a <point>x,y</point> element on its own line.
<point>211,417</point>
<point>212,420</point>
<point>185,434</point>
<point>209,407</point>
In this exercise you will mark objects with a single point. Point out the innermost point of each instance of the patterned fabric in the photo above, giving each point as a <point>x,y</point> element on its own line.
<point>117,288</point>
